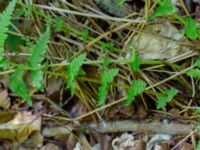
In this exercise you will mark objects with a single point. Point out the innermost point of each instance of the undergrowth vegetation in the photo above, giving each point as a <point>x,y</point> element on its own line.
<point>97,62</point>
<point>73,69</point>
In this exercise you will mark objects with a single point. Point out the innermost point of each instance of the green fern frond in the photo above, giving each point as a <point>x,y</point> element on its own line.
<point>18,86</point>
<point>120,2</point>
<point>135,61</point>
<point>38,51</point>
<point>5,20</point>
<point>106,78</point>
<point>191,30</point>
<point>73,70</point>
<point>166,97</point>
<point>166,8</point>
<point>195,73</point>
<point>136,88</point>
<point>197,63</point>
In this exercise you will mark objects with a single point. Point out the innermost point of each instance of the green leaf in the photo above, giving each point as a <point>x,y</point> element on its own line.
<point>5,20</point>
<point>106,78</point>
<point>73,70</point>
<point>136,88</point>
<point>58,23</point>
<point>18,86</point>
<point>166,8</point>
<point>135,61</point>
<point>198,145</point>
<point>191,28</point>
<point>166,97</point>
<point>120,2</point>
<point>197,63</point>
<point>195,73</point>
<point>84,35</point>
<point>38,51</point>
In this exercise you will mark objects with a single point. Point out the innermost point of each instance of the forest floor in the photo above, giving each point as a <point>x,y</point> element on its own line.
<point>100,75</point>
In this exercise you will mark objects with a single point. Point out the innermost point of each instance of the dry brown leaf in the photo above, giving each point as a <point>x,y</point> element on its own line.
<point>4,99</point>
<point>50,146</point>
<point>159,41</point>
<point>19,127</point>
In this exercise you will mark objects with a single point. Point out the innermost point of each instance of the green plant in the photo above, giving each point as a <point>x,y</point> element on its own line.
<point>135,61</point>
<point>165,97</point>
<point>106,78</point>
<point>166,7</point>
<point>120,2</point>
<point>195,72</point>
<point>38,51</point>
<point>18,86</point>
<point>5,20</point>
<point>191,28</point>
<point>136,88</point>
<point>73,71</point>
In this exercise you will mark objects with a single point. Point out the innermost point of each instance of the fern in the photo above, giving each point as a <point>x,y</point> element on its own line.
<point>120,2</point>
<point>106,78</point>
<point>195,73</point>
<point>73,70</point>
<point>135,61</point>
<point>197,63</point>
<point>191,28</point>
<point>5,20</point>
<point>166,8</point>
<point>38,51</point>
<point>136,88</point>
<point>17,86</point>
<point>166,97</point>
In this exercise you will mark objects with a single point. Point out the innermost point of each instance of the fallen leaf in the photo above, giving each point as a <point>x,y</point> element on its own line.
<point>18,129</point>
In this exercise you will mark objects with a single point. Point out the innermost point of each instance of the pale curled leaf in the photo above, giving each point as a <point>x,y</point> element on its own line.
<point>18,128</point>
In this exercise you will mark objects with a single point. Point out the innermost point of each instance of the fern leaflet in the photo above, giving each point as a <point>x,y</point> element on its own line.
<point>136,88</point>
<point>106,78</point>
<point>18,86</point>
<point>166,97</point>
<point>191,28</point>
<point>135,61</point>
<point>195,73</point>
<point>5,20</point>
<point>38,51</point>
<point>73,70</point>
<point>166,8</point>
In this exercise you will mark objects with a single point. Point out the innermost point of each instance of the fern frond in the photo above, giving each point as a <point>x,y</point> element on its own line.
<point>136,88</point>
<point>73,70</point>
<point>197,63</point>
<point>191,30</point>
<point>195,73</point>
<point>135,61</point>
<point>38,51</point>
<point>166,8</point>
<point>18,86</point>
<point>166,97</point>
<point>106,78</point>
<point>5,20</point>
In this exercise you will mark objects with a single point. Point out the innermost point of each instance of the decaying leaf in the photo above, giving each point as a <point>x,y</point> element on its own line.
<point>50,146</point>
<point>159,41</point>
<point>124,141</point>
<point>4,99</point>
<point>19,127</point>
